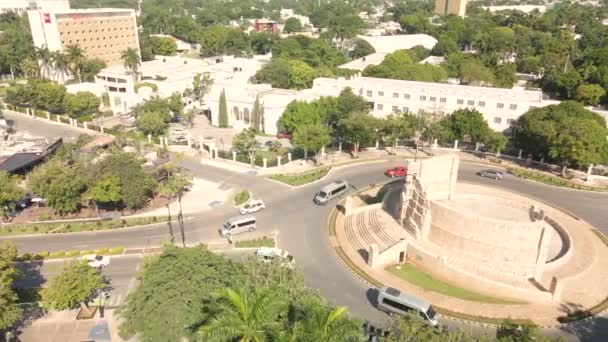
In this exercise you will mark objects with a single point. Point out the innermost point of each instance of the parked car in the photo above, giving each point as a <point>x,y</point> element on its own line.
<point>252,206</point>
<point>97,261</point>
<point>24,203</point>
<point>495,174</point>
<point>397,171</point>
<point>268,254</point>
<point>284,135</point>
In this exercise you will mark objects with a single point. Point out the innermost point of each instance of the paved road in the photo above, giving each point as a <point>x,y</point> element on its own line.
<point>301,225</point>
<point>120,274</point>
<point>43,128</point>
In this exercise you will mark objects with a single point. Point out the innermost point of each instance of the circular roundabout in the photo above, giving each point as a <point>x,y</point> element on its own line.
<point>473,251</point>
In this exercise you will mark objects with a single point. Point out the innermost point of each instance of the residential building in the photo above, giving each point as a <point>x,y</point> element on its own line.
<point>21,6</point>
<point>455,7</point>
<point>265,25</point>
<point>101,32</point>
<point>166,75</point>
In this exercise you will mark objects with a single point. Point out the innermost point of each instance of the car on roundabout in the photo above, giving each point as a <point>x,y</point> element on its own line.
<point>397,171</point>
<point>252,206</point>
<point>269,254</point>
<point>96,260</point>
<point>494,174</point>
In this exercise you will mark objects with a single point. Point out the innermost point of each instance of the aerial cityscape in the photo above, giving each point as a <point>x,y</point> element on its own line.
<point>303,170</point>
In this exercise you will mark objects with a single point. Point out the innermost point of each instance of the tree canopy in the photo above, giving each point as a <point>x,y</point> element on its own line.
<point>11,312</point>
<point>10,192</point>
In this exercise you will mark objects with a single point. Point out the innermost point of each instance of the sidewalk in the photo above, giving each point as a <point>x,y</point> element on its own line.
<point>62,326</point>
<point>204,195</point>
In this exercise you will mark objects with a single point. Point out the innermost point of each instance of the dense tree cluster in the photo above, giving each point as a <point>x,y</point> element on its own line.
<point>401,66</point>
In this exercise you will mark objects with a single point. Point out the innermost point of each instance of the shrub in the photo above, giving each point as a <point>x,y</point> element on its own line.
<point>102,251</point>
<point>57,254</point>
<point>88,251</point>
<point>72,253</point>
<point>43,255</point>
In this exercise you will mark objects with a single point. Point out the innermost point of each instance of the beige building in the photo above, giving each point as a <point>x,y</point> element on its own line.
<point>101,32</point>
<point>455,7</point>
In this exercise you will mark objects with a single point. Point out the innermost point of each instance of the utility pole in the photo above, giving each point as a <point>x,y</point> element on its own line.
<point>180,218</point>
<point>169,224</point>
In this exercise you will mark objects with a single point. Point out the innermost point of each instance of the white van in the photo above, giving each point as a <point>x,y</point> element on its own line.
<point>394,301</point>
<point>268,254</point>
<point>330,191</point>
<point>237,225</point>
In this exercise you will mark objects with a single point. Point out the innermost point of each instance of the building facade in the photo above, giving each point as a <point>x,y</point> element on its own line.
<point>265,25</point>
<point>455,7</point>
<point>500,107</point>
<point>102,33</point>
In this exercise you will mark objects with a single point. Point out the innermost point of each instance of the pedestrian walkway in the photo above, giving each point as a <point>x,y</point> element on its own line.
<point>62,326</point>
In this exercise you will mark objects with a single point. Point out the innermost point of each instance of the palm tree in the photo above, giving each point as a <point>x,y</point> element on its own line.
<point>329,325</point>
<point>29,68</point>
<point>130,59</point>
<point>76,59</point>
<point>248,317</point>
<point>60,64</point>
<point>45,58</point>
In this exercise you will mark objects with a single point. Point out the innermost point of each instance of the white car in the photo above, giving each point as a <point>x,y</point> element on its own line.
<point>267,254</point>
<point>252,206</point>
<point>97,261</point>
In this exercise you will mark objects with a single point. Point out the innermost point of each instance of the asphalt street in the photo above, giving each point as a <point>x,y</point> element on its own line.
<point>39,128</point>
<point>301,225</point>
<point>120,274</point>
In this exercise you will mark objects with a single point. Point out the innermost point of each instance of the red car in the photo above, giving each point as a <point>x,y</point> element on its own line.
<point>397,171</point>
<point>284,135</point>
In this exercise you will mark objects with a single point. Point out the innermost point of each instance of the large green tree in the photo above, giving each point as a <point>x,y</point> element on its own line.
<point>61,187</point>
<point>312,138</point>
<point>362,48</point>
<point>10,192</point>
<point>153,123</point>
<point>245,143</point>
<point>73,286</point>
<point>164,46</point>
<point>590,94</point>
<point>81,103</point>
<point>292,25</point>
<point>10,311</point>
<point>567,134</point>
<point>358,129</point>
<point>396,127</point>
<point>464,124</point>
<point>298,114</point>
<point>107,191</point>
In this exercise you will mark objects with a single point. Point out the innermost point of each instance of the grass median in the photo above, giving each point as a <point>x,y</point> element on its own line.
<point>415,276</point>
<point>297,179</point>
<point>75,253</point>
<point>77,226</point>
<point>259,242</point>
<point>552,180</point>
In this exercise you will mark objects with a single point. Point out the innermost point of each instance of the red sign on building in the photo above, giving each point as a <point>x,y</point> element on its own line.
<point>47,18</point>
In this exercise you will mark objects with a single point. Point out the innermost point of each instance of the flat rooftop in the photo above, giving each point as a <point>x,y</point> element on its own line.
<point>389,44</point>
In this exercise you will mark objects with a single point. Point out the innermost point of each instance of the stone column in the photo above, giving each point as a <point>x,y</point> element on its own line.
<point>542,160</point>
<point>520,153</point>
<point>233,155</point>
<point>455,144</point>
<point>323,151</point>
<point>58,119</point>
<point>149,138</point>
<point>86,125</point>
<point>498,153</point>
<point>289,157</point>
<point>102,131</point>
<point>200,143</point>
<point>377,144</point>
<point>189,141</point>
<point>279,160</point>
<point>340,146</point>
<point>48,116</point>
<point>160,139</point>
<point>265,162</point>
<point>476,146</point>
<point>434,143</point>
<point>589,169</point>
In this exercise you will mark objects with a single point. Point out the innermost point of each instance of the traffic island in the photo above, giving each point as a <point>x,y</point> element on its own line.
<point>503,255</point>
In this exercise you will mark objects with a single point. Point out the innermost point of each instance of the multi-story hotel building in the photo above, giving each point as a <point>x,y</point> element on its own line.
<point>455,7</point>
<point>102,33</point>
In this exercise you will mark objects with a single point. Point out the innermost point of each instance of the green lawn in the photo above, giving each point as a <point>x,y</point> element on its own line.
<point>419,278</point>
<point>259,242</point>
<point>241,197</point>
<point>79,226</point>
<point>297,179</point>
<point>552,180</point>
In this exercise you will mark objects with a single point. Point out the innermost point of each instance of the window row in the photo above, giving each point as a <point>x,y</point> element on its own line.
<point>423,98</point>
<point>241,115</point>
<point>498,121</point>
